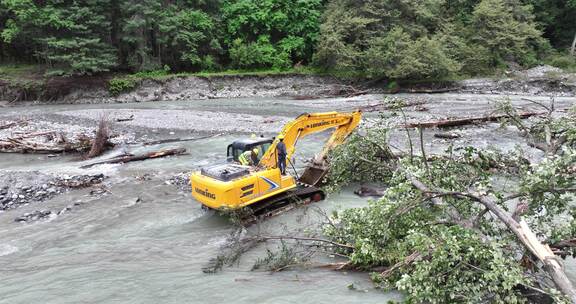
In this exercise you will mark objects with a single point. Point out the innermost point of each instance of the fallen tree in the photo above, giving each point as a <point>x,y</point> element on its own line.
<point>455,226</point>
<point>53,141</point>
<point>446,123</point>
<point>130,157</point>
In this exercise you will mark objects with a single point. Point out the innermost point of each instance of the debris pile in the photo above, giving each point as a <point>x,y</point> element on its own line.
<point>42,137</point>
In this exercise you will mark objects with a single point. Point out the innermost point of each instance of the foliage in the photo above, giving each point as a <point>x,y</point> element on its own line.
<point>69,37</point>
<point>257,54</point>
<point>471,258</point>
<point>116,86</point>
<point>506,29</point>
<point>286,256</point>
<point>402,57</point>
<point>355,161</point>
<point>146,35</point>
<point>428,39</point>
<point>270,33</point>
<point>563,61</point>
<point>556,19</point>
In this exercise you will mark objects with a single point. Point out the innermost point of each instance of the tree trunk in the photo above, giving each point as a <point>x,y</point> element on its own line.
<point>466,121</point>
<point>130,158</point>
<point>573,48</point>
<point>551,262</point>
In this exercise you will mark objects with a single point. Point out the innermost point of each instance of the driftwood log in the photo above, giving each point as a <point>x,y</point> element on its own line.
<point>12,124</point>
<point>173,140</point>
<point>385,106</point>
<point>130,158</point>
<point>447,135</point>
<point>430,91</point>
<point>445,123</point>
<point>129,118</point>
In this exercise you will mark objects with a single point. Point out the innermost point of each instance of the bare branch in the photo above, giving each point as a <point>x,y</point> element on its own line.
<point>298,238</point>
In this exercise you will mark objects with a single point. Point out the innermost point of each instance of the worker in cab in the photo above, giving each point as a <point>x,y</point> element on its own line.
<point>281,149</point>
<point>249,157</point>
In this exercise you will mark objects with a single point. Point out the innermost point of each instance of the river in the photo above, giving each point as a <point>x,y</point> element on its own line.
<point>146,241</point>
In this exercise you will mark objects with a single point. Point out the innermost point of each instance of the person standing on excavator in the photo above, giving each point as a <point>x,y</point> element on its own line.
<point>281,149</point>
<point>249,157</point>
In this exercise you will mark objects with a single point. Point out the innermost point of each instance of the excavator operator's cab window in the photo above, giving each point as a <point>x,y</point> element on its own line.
<point>240,146</point>
<point>232,155</point>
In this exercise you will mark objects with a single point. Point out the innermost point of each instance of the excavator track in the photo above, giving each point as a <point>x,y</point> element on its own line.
<point>303,194</point>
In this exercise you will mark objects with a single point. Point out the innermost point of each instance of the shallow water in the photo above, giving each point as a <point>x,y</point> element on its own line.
<point>116,249</point>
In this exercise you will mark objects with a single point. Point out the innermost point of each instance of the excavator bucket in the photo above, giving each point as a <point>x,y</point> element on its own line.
<point>313,174</point>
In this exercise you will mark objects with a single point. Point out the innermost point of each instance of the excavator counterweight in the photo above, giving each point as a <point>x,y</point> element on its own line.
<point>233,186</point>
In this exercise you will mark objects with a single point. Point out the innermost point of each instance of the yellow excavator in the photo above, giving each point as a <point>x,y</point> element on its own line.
<point>233,186</point>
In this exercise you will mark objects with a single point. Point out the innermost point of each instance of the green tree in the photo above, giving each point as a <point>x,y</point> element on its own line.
<point>69,37</point>
<point>556,20</point>
<point>399,56</point>
<point>506,28</point>
<point>139,31</point>
<point>286,30</point>
<point>384,38</point>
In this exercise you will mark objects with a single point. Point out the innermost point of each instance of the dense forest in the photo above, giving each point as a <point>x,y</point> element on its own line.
<point>400,39</point>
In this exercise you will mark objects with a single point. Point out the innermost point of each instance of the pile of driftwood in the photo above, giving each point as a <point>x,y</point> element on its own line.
<point>43,142</point>
<point>52,142</point>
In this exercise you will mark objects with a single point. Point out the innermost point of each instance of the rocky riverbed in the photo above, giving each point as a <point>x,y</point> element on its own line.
<point>24,188</point>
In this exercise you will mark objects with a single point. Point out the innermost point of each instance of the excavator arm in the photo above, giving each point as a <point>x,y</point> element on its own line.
<point>305,124</point>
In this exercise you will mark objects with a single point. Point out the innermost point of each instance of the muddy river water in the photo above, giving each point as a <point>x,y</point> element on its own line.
<point>147,240</point>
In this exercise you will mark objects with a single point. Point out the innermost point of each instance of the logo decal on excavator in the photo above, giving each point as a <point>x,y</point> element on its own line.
<point>272,184</point>
<point>206,193</point>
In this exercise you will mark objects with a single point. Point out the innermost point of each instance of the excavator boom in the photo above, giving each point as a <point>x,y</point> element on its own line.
<point>306,124</point>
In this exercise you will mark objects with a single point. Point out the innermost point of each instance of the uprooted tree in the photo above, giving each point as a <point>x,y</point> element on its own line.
<point>468,226</point>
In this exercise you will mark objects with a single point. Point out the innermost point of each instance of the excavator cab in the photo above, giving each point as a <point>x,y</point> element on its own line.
<point>247,144</point>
